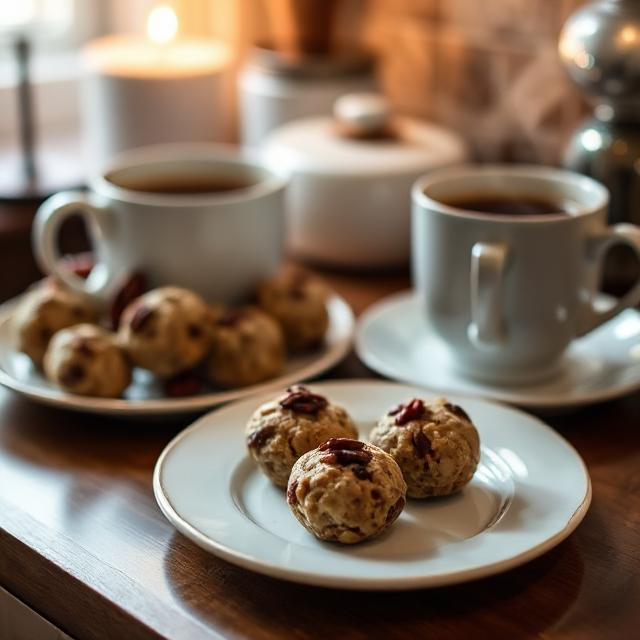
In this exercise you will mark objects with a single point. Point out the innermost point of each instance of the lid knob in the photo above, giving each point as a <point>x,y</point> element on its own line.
<point>362,114</point>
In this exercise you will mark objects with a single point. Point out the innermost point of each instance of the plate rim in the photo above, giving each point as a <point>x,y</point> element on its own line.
<point>492,394</point>
<point>362,583</point>
<point>180,406</point>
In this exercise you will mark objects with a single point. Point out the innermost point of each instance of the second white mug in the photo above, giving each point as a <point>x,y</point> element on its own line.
<point>508,293</point>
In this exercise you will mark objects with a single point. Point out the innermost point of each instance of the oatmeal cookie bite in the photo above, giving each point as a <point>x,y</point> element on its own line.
<point>247,347</point>
<point>279,432</point>
<point>435,444</point>
<point>85,359</point>
<point>298,303</point>
<point>346,491</point>
<point>45,309</point>
<point>166,330</point>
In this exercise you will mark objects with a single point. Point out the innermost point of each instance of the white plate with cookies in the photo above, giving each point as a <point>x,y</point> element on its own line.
<point>527,489</point>
<point>146,396</point>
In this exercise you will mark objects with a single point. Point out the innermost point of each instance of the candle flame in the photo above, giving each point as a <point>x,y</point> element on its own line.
<point>162,24</point>
<point>628,35</point>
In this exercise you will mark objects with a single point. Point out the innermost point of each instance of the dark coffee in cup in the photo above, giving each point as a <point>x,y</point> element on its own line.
<point>502,204</point>
<point>183,184</point>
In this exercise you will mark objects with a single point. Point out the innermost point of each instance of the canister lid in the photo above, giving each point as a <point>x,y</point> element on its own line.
<point>320,145</point>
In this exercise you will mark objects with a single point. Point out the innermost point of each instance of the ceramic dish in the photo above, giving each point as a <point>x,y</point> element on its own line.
<point>530,491</point>
<point>144,397</point>
<point>393,339</point>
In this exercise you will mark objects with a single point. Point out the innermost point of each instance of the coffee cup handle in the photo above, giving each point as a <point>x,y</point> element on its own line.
<point>597,247</point>
<point>488,265</point>
<point>46,228</point>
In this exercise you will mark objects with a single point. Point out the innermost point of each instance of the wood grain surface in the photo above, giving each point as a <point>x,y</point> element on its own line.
<point>83,543</point>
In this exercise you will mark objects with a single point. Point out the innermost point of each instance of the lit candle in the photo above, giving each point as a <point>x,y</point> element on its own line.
<point>163,88</point>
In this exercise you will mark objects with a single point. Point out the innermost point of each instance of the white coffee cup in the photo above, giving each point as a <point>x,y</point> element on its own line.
<point>507,294</point>
<point>218,244</point>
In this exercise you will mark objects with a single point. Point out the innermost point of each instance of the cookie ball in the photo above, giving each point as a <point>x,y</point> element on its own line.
<point>166,331</point>
<point>44,310</point>
<point>247,347</point>
<point>436,445</point>
<point>298,303</point>
<point>346,491</point>
<point>85,359</point>
<point>279,432</point>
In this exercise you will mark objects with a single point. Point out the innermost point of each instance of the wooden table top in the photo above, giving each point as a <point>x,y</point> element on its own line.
<point>83,542</point>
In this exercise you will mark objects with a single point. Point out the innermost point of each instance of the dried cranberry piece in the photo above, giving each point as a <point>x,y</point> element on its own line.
<point>301,400</point>
<point>291,492</point>
<point>259,438</point>
<point>133,287</point>
<point>332,444</point>
<point>298,278</point>
<point>194,331</point>
<point>140,318</point>
<point>72,375</point>
<point>298,294</point>
<point>182,386</point>
<point>230,318</point>
<point>80,264</point>
<point>297,282</point>
<point>457,411</point>
<point>82,345</point>
<point>395,510</point>
<point>421,443</point>
<point>362,473</point>
<point>414,410</point>
<point>344,457</point>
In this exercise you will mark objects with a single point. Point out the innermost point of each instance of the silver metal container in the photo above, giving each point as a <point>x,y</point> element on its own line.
<point>600,49</point>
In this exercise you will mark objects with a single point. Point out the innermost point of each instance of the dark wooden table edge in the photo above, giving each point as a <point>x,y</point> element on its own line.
<point>56,592</point>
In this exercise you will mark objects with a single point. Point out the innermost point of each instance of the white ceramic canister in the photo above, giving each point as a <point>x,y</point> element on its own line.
<point>349,198</point>
<point>274,89</point>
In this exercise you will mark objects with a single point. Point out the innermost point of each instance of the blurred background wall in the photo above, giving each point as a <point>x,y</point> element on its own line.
<point>488,68</point>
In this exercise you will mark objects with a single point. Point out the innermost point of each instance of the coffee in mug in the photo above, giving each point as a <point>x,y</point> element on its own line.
<point>507,260</point>
<point>170,183</point>
<point>516,205</point>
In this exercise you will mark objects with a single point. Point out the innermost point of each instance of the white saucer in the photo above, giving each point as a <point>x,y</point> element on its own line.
<point>393,339</point>
<point>144,397</point>
<point>530,491</point>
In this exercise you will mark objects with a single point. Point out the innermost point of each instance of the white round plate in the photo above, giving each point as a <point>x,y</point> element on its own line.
<point>144,397</point>
<point>530,491</point>
<point>394,339</point>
